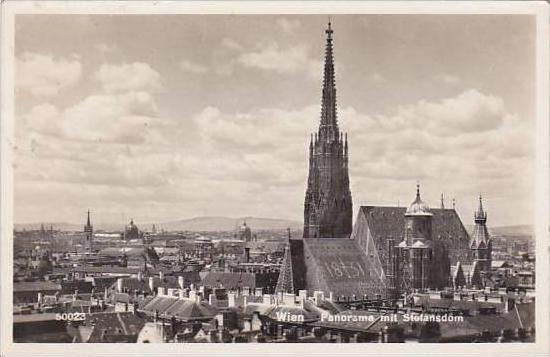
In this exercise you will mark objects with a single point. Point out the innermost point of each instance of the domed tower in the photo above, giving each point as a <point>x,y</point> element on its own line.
<point>245,233</point>
<point>481,244</point>
<point>131,231</point>
<point>413,256</point>
<point>418,221</point>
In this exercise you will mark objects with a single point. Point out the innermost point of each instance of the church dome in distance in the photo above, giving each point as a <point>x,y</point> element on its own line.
<point>418,207</point>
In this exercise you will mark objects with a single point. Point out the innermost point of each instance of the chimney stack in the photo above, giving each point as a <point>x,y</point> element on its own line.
<point>119,285</point>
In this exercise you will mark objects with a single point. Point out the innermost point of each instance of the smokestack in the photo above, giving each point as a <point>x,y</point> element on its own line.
<point>247,254</point>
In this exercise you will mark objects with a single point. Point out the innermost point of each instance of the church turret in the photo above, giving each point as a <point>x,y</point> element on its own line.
<point>481,243</point>
<point>328,203</point>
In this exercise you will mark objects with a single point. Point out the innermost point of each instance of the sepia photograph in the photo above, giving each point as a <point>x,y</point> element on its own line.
<point>330,175</point>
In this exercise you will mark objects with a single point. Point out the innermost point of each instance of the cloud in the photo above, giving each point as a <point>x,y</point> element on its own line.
<point>293,59</point>
<point>246,160</point>
<point>104,48</point>
<point>42,75</point>
<point>136,76</point>
<point>289,26</point>
<point>191,67</point>
<point>448,79</point>
<point>231,44</point>
<point>378,77</point>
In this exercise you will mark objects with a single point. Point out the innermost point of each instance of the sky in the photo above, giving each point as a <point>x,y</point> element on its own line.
<point>167,117</point>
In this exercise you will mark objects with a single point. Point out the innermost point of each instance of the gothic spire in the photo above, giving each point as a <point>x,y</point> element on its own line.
<point>328,130</point>
<point>480,216</point>
<point>285,283</point>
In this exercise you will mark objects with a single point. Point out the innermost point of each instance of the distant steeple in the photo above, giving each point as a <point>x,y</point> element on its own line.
<point>442,201</point>
<point>88,221</point>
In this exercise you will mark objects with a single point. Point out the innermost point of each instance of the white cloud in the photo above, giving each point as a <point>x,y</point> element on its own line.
<point>293,59</point>
<point>245,159</point>
<point>288,25</point>
<point>378,77</point>
<point>104,48</point>
<point>42,75</point>
<point>125,77</point>
<point>231,44</point>
<point>188,66</point>
<point>448,79</point>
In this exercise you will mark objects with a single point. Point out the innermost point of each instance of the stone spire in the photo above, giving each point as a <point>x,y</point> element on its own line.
<point>285,283</point>
<point>328,204</point>
<point>480,236</point>
<point>328,130</point>
<point>88,234</point>
<point>481,243</point>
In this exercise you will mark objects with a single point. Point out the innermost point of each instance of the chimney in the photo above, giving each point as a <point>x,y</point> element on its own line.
<point>119,283</point>
<point>152,284</point>
<point>212,300</point>
<point>181,294</point>
<point>140,275</point>
<point>40,297</point>
<point>247,254</point>
<point>181,282</point>
<point>161,275</point>
<point>231,300</point>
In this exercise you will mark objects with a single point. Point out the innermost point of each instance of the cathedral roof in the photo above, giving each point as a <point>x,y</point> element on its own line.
<point>336,265</point>
<point>382,223</point>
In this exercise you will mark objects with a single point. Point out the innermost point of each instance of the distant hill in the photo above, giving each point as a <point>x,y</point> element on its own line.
<point>193,224</point>
<point>519,230</point>
<point>228,224</point>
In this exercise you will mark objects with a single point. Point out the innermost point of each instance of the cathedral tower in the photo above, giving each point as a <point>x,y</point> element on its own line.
<point>328,204</point>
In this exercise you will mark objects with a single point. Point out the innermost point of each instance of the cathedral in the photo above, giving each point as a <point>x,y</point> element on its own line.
<point>390,250</point>
<point>328,206</point>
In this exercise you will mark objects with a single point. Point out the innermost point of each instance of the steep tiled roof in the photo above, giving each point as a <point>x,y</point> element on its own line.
<point>182,309</point>
<point>35,286</point>
<point>336,265</point>
<point>379,223</point>
<point>526,313</point>
<point>108,327</point>
<point>229,280</point>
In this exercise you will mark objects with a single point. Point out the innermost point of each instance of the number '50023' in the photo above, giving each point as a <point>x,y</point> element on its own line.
<point>71,316</point>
